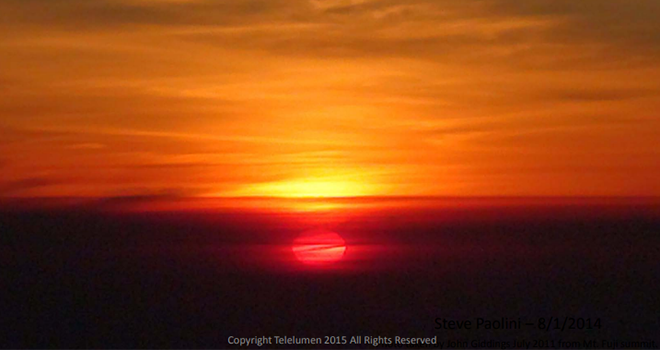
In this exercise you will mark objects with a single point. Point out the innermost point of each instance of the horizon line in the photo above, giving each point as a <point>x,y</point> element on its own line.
<point>168,196</point>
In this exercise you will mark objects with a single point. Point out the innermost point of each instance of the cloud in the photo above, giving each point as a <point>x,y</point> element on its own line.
<point>597,95</point>
<point>137,95</point>
<point>534,34</point>
<point>618,23</point>
<point>111,14</point>
<point>19,186</point>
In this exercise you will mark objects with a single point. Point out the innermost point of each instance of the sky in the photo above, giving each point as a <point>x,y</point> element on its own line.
<point>299,98</point>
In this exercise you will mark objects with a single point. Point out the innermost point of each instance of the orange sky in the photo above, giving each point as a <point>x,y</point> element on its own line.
<point>329,98</point>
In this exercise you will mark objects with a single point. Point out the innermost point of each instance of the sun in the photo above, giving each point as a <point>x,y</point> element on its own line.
<point>319,247</point>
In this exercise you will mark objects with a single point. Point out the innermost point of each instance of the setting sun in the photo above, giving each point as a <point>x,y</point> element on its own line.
<point>319,247</point>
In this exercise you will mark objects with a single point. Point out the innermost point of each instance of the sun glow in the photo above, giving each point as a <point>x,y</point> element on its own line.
<point>311,189</point>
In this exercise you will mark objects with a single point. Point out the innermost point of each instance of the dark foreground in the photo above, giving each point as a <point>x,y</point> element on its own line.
<point>97,278</point>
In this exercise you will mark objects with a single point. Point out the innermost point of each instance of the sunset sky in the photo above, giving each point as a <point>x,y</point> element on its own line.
<point>329,98</point>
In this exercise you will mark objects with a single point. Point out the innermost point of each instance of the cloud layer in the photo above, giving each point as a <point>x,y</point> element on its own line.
<point>450,97</point>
